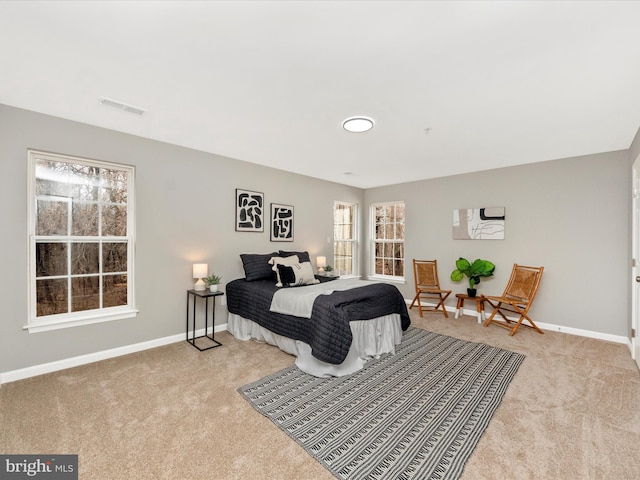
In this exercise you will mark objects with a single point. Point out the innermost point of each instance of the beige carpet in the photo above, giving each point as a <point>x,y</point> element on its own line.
<point>571,412</point>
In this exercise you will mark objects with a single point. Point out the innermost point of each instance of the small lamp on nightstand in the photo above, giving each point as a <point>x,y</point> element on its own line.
<point>321,262</point>
<point>200,271</point>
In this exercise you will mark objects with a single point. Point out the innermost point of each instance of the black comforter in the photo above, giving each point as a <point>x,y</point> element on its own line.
<point>327,331</point>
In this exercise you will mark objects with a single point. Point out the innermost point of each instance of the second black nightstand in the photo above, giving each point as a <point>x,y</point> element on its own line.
<point>206,295</point>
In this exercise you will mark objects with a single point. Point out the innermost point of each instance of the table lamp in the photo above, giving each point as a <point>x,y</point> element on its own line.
<point>321,262</point>
<point>200,271</point>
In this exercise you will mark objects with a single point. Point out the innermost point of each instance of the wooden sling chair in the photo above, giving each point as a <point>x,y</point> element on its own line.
<point>425,273</point>
<point>516,299</point>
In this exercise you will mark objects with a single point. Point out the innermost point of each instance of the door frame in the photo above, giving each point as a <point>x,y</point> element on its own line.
<point>635,263</point>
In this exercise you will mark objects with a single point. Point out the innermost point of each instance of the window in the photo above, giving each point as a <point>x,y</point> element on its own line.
<point>388,239</point>
<point>80,241</point>
<point>344,238</point>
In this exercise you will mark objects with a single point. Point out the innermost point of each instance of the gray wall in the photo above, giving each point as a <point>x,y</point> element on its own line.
<point>634,149</point>
<point>570,216</point>
<point>185,214</point>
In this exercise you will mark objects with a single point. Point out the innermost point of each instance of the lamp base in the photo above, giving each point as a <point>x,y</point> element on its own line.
<point>200,285</point>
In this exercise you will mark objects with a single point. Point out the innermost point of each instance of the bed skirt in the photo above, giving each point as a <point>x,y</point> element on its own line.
<point>371,338</point>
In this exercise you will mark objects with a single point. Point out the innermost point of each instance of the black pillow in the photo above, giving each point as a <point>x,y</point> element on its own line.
<point>287,275</point>
<point>302,256</point>
<point>256,266</point>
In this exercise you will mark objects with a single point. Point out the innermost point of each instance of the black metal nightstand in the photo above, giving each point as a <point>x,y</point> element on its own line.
<point>326,278</point>
<point>206,295</point>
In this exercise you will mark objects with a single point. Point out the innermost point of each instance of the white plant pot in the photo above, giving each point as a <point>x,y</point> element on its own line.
<point>213,288</point>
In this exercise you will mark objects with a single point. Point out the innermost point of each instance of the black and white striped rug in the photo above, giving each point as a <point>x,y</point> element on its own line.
<point>417,414</point>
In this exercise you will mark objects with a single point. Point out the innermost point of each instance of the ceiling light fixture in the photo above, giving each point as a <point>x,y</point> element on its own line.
<point>358,124</point>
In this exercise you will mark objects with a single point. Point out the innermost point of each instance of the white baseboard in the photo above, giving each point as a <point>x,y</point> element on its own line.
<point>555,328</point>
<point>583,333</point>
<point>12,376</point>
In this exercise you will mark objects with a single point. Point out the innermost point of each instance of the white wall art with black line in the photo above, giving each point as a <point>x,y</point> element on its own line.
<point>479,223</point>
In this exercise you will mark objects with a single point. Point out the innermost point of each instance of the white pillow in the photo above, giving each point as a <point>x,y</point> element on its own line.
<point>275,261</point>
<point>296,275</point>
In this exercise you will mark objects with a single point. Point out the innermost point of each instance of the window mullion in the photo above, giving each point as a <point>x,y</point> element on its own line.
<point>69,244</point>
<point>100,240</point>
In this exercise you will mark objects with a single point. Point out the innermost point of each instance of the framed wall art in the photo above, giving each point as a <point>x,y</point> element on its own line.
<point>281,223</point>
<point>249,211</point>
<point>478,223</point>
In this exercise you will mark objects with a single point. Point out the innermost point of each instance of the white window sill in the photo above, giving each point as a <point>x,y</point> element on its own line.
<point>388,279</point>
<point>68,321</point>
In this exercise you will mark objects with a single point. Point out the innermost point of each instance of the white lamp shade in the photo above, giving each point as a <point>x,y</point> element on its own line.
<point>200,270</point>
<point>321,262</point>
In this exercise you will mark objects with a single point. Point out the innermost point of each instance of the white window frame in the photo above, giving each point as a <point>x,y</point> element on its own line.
<point>374,240</point>
<point>102,314</point>
<point>354,240</point>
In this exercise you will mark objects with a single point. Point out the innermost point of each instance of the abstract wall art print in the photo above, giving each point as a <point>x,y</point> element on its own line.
<point>281,223</point>
<point>249,211</point>
<point>478,223</point>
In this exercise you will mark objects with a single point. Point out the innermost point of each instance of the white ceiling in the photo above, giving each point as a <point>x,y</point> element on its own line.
<point>453,87</point>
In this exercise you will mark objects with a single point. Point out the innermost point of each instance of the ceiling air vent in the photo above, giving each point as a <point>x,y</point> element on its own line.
<point>122,106</point>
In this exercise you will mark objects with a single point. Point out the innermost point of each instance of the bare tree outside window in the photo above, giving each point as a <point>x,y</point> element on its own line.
<point>81,243</point>
<point>388,239</point>
<point>344,238</point>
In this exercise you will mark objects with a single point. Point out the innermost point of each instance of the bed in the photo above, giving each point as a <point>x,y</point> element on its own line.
<point>332,326</point>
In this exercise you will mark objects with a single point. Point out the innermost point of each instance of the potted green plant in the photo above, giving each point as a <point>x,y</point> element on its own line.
<point>328,269</point>
<point>213,281</point>
<point>479,268</point>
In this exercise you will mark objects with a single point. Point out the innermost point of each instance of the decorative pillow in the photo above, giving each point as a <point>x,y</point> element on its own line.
<point>303,256</point>
<point>287,275</point>
<point>288,261</point>
<point>256,266</point>
<point>296,275</point>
